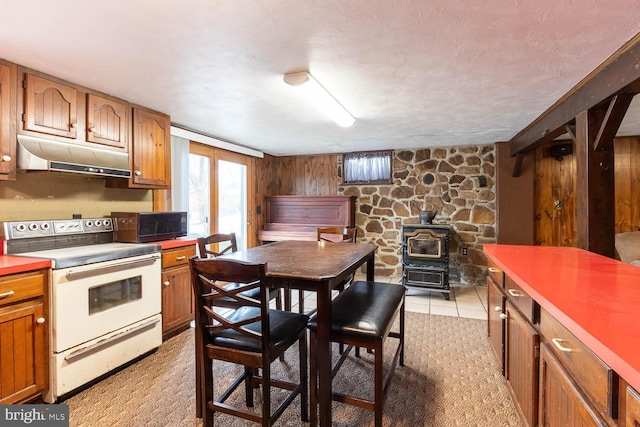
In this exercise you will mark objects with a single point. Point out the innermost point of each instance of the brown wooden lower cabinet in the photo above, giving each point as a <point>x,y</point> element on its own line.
<point>521,364</point>
<point>177,295</point>
<point>495,324</point>
<point>561,401</point>
<point>23,336</point>
<point>633,408</point>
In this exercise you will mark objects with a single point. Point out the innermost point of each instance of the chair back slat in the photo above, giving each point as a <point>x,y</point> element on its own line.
<point>209,276</point>
<point>219,291</point>
<point>225,240</point>
<point>337,234</point>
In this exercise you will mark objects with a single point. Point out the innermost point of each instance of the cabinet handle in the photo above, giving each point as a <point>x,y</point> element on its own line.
<point>138,173</point>
<point>494,270</point>
<point>503,315</point>
<point>180,258</point>
<point>167,283</point>
<point>6,294</point>
<point>6,158</point>
<point>514,292</point>
<point>557,341</point>
<point>497,308</point>
<point>40,320</point>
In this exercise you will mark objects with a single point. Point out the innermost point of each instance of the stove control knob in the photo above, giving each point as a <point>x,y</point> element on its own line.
<point>40,320</point>
<point>21,227</point>
<point>44,225</point>
<point>98,223</point>
<point>106,222</point>
<point>33,227</point>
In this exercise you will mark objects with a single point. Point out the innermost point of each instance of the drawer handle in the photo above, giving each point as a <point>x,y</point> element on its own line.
<point>6,294</point>
<point>180,258</point>
<point>557,341</point>
<point>514,293</point>
<point>494,270</point>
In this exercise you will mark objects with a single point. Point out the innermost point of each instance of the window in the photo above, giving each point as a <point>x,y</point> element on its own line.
<point>372,167</point>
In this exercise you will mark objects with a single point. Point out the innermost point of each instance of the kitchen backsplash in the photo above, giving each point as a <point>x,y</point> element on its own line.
<point>55,196</point>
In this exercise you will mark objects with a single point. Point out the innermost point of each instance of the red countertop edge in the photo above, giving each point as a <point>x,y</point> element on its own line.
<point>595,297</point>
<point>17,264</point>
<point>177,243</point>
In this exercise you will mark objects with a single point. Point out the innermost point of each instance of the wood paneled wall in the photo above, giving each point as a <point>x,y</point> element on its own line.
<point>627,183</point>
<point>308,175</point>
<point>295,175</point>
<point>555,183</point>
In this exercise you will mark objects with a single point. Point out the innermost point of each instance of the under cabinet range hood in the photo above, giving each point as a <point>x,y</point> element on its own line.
<point>39,154</point>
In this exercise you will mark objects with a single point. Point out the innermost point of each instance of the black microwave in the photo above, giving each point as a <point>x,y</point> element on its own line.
<point>141,227</point>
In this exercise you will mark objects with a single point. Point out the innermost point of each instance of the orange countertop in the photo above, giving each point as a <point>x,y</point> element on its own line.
<point>595,297</point>
<point>17,264</point>
<point>178,243</point>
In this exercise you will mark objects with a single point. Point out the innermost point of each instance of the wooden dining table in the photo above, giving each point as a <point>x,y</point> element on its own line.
<point>318,267</point>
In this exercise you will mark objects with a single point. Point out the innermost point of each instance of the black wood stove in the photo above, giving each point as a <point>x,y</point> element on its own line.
<point>425,257</point>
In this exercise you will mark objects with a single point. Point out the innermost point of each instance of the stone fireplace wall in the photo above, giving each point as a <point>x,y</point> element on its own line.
<point>456,182</point>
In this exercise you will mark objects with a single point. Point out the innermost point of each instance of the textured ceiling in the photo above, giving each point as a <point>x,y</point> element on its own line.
<point>414,73</point>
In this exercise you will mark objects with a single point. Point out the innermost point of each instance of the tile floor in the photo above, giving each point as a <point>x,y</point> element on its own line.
<point>465,301</point>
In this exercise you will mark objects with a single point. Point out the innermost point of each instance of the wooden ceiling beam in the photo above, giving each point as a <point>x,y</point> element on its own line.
<point>620,74</point>
<point>611,123</point>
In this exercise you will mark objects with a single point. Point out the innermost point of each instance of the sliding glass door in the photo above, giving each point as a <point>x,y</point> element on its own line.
<point>218,192</point>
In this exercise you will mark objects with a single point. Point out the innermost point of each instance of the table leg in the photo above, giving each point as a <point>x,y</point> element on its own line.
<point>323,355</point>
<point>371,269</point>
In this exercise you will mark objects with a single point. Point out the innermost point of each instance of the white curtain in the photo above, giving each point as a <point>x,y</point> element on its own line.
<point>367,167</point>
<point>179,174</point>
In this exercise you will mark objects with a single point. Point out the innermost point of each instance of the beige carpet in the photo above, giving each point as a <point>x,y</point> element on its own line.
<point>449,379</point>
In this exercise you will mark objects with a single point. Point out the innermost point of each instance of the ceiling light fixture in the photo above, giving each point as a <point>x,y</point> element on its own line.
<point>321,97</point>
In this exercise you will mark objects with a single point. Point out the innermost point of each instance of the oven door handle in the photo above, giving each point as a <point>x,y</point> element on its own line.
<point>85,351</point>
<point>93,272</point>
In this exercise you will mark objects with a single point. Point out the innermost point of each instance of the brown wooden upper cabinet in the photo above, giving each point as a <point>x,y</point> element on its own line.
<point>7,121</point>
<point>151,142</point>
<point>106,121</point>
<point>50,107</point>
<point>53,108</point>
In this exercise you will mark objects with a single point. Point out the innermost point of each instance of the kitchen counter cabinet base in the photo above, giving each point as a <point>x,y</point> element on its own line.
<point>23,337</point>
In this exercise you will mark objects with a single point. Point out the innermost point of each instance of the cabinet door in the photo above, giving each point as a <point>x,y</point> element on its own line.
<point>561,402</point>
<point>521,364</point>
<point>151,149</point>
<point>107,122</point>
<point>495,324</point>
<point>50,107</point>
<point>177,302</point>
<point>23,351</point>
<point>7,121</point>
<point>633,407</point>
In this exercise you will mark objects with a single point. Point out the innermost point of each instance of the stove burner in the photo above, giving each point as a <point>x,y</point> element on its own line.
<point>70,242</point>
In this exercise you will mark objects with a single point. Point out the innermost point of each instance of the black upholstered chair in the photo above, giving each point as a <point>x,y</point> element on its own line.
<point>363,316</point>
<point>221,243</point>
<point>251,335</point>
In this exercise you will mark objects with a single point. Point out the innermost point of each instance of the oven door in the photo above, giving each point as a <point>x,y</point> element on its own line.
<point>93,300</point>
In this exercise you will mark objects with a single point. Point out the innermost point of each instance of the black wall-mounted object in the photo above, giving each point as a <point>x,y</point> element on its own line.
<point>561,150</point>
